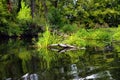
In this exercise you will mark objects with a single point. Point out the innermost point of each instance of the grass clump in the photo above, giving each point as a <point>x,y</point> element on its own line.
<point>44,38</point>
<point>47,38</point>
<point>116,35</point>
<point>69,28</point>
<point>83,34</point>
<point>101,34</point>
<point>78,38</point>
<point>74,39</point>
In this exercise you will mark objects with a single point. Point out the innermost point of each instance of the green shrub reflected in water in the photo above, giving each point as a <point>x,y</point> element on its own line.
<point>17,58</point>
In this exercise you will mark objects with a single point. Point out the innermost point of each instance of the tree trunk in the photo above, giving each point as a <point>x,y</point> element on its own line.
<point>9,5</point>
<point>45,8</point>
<point>19,5</point>
<point>32,8</point>
<point>55,3</point>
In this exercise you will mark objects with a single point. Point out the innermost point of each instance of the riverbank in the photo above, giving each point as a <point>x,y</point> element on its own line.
<point>79,38</point>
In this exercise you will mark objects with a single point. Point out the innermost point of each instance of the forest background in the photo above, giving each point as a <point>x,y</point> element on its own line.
<point>29,17</point>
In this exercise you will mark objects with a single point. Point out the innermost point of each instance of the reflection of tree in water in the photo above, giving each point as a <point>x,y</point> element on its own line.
<point>102,63</point>
<point>11,67</point>
<point>16,60</point>
<point>115,66</point>
<point>59,67</point>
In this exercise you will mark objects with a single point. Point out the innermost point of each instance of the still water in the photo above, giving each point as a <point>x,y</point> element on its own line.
<point>21,60</point>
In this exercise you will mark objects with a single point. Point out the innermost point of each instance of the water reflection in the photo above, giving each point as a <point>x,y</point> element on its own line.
<point>20,61</point>
<point>28,76</point>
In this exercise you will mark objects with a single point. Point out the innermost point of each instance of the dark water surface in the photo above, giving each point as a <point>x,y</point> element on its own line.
<point>19,60</point>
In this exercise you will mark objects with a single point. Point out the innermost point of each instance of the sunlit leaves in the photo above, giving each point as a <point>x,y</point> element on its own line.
<point>116,36</point>
<point>24,13</point>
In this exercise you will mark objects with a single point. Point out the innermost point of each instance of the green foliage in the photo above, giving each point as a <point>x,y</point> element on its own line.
<point>82,33</point>
<point>69,28</point>
<point>116,35</point>
<point>74,39</point>
<point>14,29</point>
<point>96,43</point>
<point>55,18</point>
<point>93,11</point>
<point>47,56</point>
<point>7,24</point>
<point>101,34</point>
<point>48,38</point>
<point>44,41</point>
<point>61,15</point>
<point>4,15</point>
<point>24,13</point>
<point>117,47</point>
<point>79,38</point>
<point>24,18</point>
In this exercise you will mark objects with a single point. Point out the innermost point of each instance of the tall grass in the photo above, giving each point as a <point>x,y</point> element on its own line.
<point>101,34</point>
<point>69,28</point>
<point>78,38</point>
<point>75,39</point>
<point>48,38</point>
<point>44,39</point>
<point>47,56</point>
<point>81,38</point>
<point>116,35</point>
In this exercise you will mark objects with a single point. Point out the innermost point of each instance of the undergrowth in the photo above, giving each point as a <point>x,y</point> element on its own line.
<point>78,38</point>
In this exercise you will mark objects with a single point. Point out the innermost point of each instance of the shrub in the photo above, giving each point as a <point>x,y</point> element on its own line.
<point>14,29</point>
<point>55,18</point>
<point>69,28</point>
<point>24,13</point>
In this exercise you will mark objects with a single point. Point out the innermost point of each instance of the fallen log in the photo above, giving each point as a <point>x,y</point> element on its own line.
<point>63,47</point>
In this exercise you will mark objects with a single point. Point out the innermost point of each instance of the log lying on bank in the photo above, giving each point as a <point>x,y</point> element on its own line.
<point>63,47</point>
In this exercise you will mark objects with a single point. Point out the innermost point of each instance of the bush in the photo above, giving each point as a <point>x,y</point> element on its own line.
<point>24,13</point>
<point>14,29</point>
<point>55,18</point>
<point>69,28</point>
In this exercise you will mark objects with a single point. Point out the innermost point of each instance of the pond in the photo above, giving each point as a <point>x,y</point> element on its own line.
<point>21,60</point>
